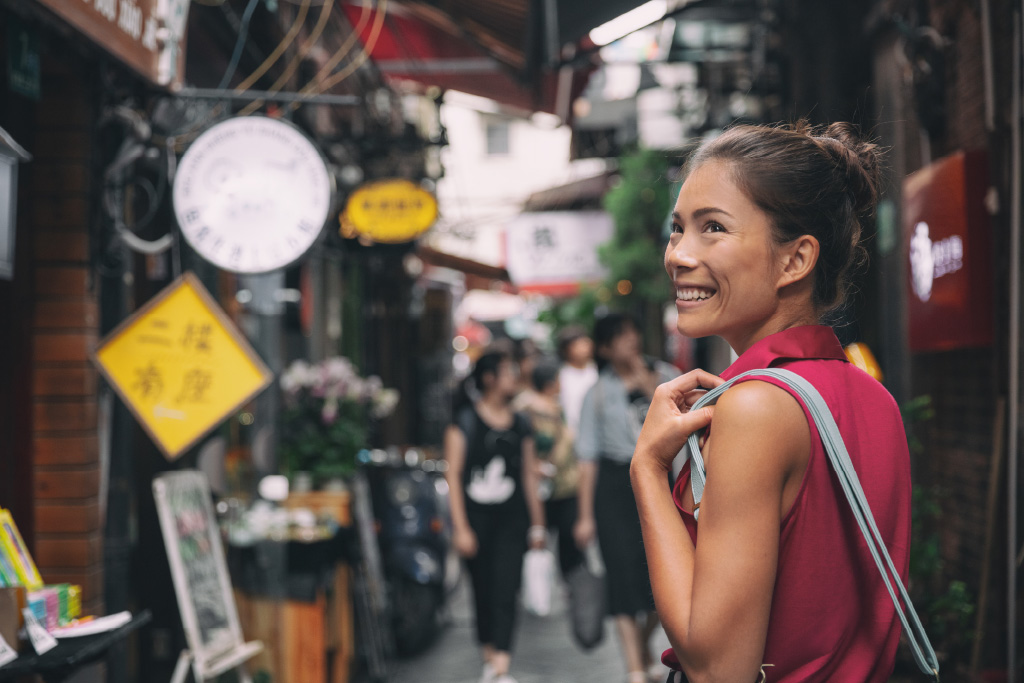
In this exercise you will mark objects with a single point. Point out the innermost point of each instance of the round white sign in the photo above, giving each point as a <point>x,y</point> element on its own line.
<point>252,194</point>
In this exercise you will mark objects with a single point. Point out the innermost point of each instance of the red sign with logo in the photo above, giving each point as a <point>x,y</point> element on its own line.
<point>948,246</point>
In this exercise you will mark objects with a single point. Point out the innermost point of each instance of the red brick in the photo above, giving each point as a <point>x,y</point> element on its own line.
<point>65,314</point>
<point>72,450</point>
<point>58,347</point>
<point>74,381</point>
<point>71,212</point>
<point>66,484</point>
<point>64,416</point>
<point>76,113</point>
<point>63,145</point>
<point>68,281</point>
<point>71,551</point>
<point>63,247</point>
<point>67,519</point>
<point>50,176</point>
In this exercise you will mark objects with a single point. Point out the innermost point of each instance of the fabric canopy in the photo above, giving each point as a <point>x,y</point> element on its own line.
<point>495,49</point>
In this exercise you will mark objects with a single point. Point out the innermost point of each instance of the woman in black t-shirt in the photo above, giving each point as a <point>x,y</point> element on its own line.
<point>493,483</point>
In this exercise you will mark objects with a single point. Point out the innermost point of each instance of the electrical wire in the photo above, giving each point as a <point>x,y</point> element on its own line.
<point>288,39</point>
<point>321,23</point>
<point>313,86</point>
<point>236,55</point>
<point>351,67</point>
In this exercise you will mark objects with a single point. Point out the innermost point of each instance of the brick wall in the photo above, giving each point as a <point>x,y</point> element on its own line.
<point>65,443</point>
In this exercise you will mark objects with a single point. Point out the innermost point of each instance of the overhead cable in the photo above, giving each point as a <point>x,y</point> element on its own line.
<point>236,55</point>
<point>293,64</point>
<point>288,39</point>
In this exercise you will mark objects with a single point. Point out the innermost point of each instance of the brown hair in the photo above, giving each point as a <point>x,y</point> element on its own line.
<point>821,182</point>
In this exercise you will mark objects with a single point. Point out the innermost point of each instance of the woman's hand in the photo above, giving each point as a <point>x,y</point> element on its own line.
<point>584,532</point>
<point>669,420</point>
<point>465,542</point>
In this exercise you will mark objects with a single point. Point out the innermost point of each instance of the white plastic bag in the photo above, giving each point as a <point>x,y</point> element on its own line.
<point>538,581</point>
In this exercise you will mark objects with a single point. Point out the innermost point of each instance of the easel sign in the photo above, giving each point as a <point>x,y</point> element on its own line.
<point>201,582</point>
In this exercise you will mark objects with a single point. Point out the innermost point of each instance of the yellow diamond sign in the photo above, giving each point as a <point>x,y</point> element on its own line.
<point>181,366</point>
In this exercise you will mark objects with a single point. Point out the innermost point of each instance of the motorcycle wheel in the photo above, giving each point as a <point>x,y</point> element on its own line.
<point>414,619</point>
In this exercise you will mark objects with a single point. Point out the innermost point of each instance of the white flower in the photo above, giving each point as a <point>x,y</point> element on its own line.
<point>384,403</point>
<point>295,377</point>
<point>372,387</point>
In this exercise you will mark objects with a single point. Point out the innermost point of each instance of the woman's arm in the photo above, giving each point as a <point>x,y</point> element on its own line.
<point>531,487</point>
<point>714,600</point>
<point>587,451</point>
<point>463,537</point>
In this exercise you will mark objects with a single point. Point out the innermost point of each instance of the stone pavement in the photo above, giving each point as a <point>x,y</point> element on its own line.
<point>544,651</point>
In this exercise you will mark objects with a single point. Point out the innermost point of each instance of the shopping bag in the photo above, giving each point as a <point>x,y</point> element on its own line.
<point>587,604</point>
<point>538,581</point>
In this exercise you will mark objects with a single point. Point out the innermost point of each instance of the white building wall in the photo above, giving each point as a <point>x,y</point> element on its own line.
<point>480,191</point>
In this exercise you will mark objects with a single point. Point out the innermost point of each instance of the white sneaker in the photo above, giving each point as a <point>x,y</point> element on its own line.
<point>488,675</point>
<point>505,678</point>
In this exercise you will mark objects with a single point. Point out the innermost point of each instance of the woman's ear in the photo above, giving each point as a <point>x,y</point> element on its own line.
<point>798,259</point>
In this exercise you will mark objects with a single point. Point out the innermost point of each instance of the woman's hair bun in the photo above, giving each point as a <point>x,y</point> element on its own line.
<point>859,158</point>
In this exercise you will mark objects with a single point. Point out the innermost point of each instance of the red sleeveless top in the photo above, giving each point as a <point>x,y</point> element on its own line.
<point>831,616</point>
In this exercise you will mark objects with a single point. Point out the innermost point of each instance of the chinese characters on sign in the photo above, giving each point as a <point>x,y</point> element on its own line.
<point>181,366</point>
<point>553,252</point>
<point>390,211</point>
<point>146,35</point>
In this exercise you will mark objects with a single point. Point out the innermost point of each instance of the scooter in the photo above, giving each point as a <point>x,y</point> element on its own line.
<point>410,505</point>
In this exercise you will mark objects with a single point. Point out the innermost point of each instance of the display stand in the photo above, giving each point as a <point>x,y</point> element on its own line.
<point>201,583</point>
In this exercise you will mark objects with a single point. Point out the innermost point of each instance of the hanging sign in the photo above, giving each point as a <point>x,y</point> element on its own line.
<point>252,194</point>
<point>389,211</point>
<point>181,366</point>
<point>147,35</point>
<point>24,68</point>
<point>554,251</point>
<point>948,241</point>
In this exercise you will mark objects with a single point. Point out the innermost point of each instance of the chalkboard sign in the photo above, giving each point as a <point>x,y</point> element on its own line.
<point>200,574</point>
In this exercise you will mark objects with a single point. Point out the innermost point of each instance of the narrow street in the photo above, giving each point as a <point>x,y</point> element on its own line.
<point>544,653</point>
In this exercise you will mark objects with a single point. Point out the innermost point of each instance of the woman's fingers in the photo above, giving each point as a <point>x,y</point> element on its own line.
<point>686,389</point>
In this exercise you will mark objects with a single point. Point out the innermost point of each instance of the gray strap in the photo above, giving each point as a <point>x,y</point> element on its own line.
<point>924,655</point>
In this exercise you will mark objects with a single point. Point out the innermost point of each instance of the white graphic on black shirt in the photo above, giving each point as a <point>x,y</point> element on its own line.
<point>491,486</point>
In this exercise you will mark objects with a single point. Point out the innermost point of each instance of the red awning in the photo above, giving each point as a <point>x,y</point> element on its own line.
<point>405,46</point>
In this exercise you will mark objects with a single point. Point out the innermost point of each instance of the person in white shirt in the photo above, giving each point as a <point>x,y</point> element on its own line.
<point>577,374</point>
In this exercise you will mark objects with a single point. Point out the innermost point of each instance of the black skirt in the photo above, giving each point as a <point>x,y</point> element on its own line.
<point>622,545</point>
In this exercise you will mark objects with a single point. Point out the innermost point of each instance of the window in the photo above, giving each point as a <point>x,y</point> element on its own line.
<point>497,138</point>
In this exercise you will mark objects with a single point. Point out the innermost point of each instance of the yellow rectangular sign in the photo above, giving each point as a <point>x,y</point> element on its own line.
<point>181,365</point>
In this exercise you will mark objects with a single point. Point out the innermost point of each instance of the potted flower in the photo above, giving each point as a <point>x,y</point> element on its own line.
<point>325,422</point>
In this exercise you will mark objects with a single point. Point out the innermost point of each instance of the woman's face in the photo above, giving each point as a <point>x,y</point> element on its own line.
<point>624,347</point>
<point>506,379</point>
<point>580,351</point>
<point>721,259</point>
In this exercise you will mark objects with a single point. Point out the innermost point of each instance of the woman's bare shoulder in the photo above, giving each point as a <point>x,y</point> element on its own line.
<point>755,410</point>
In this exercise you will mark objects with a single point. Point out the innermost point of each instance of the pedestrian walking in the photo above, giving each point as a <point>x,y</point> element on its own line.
<point>578,372</point>
<point>779,587</point>
<point>556,461</point>
<point>613,412</point>
<point>492,479</point>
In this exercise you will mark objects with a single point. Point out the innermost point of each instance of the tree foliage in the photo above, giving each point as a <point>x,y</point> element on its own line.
<point>639,206</point>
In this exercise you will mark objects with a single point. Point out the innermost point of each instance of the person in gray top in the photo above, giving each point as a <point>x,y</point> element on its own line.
<point>613,414</point>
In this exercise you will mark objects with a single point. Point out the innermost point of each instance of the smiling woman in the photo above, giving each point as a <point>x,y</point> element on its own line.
<point>777,585</point>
